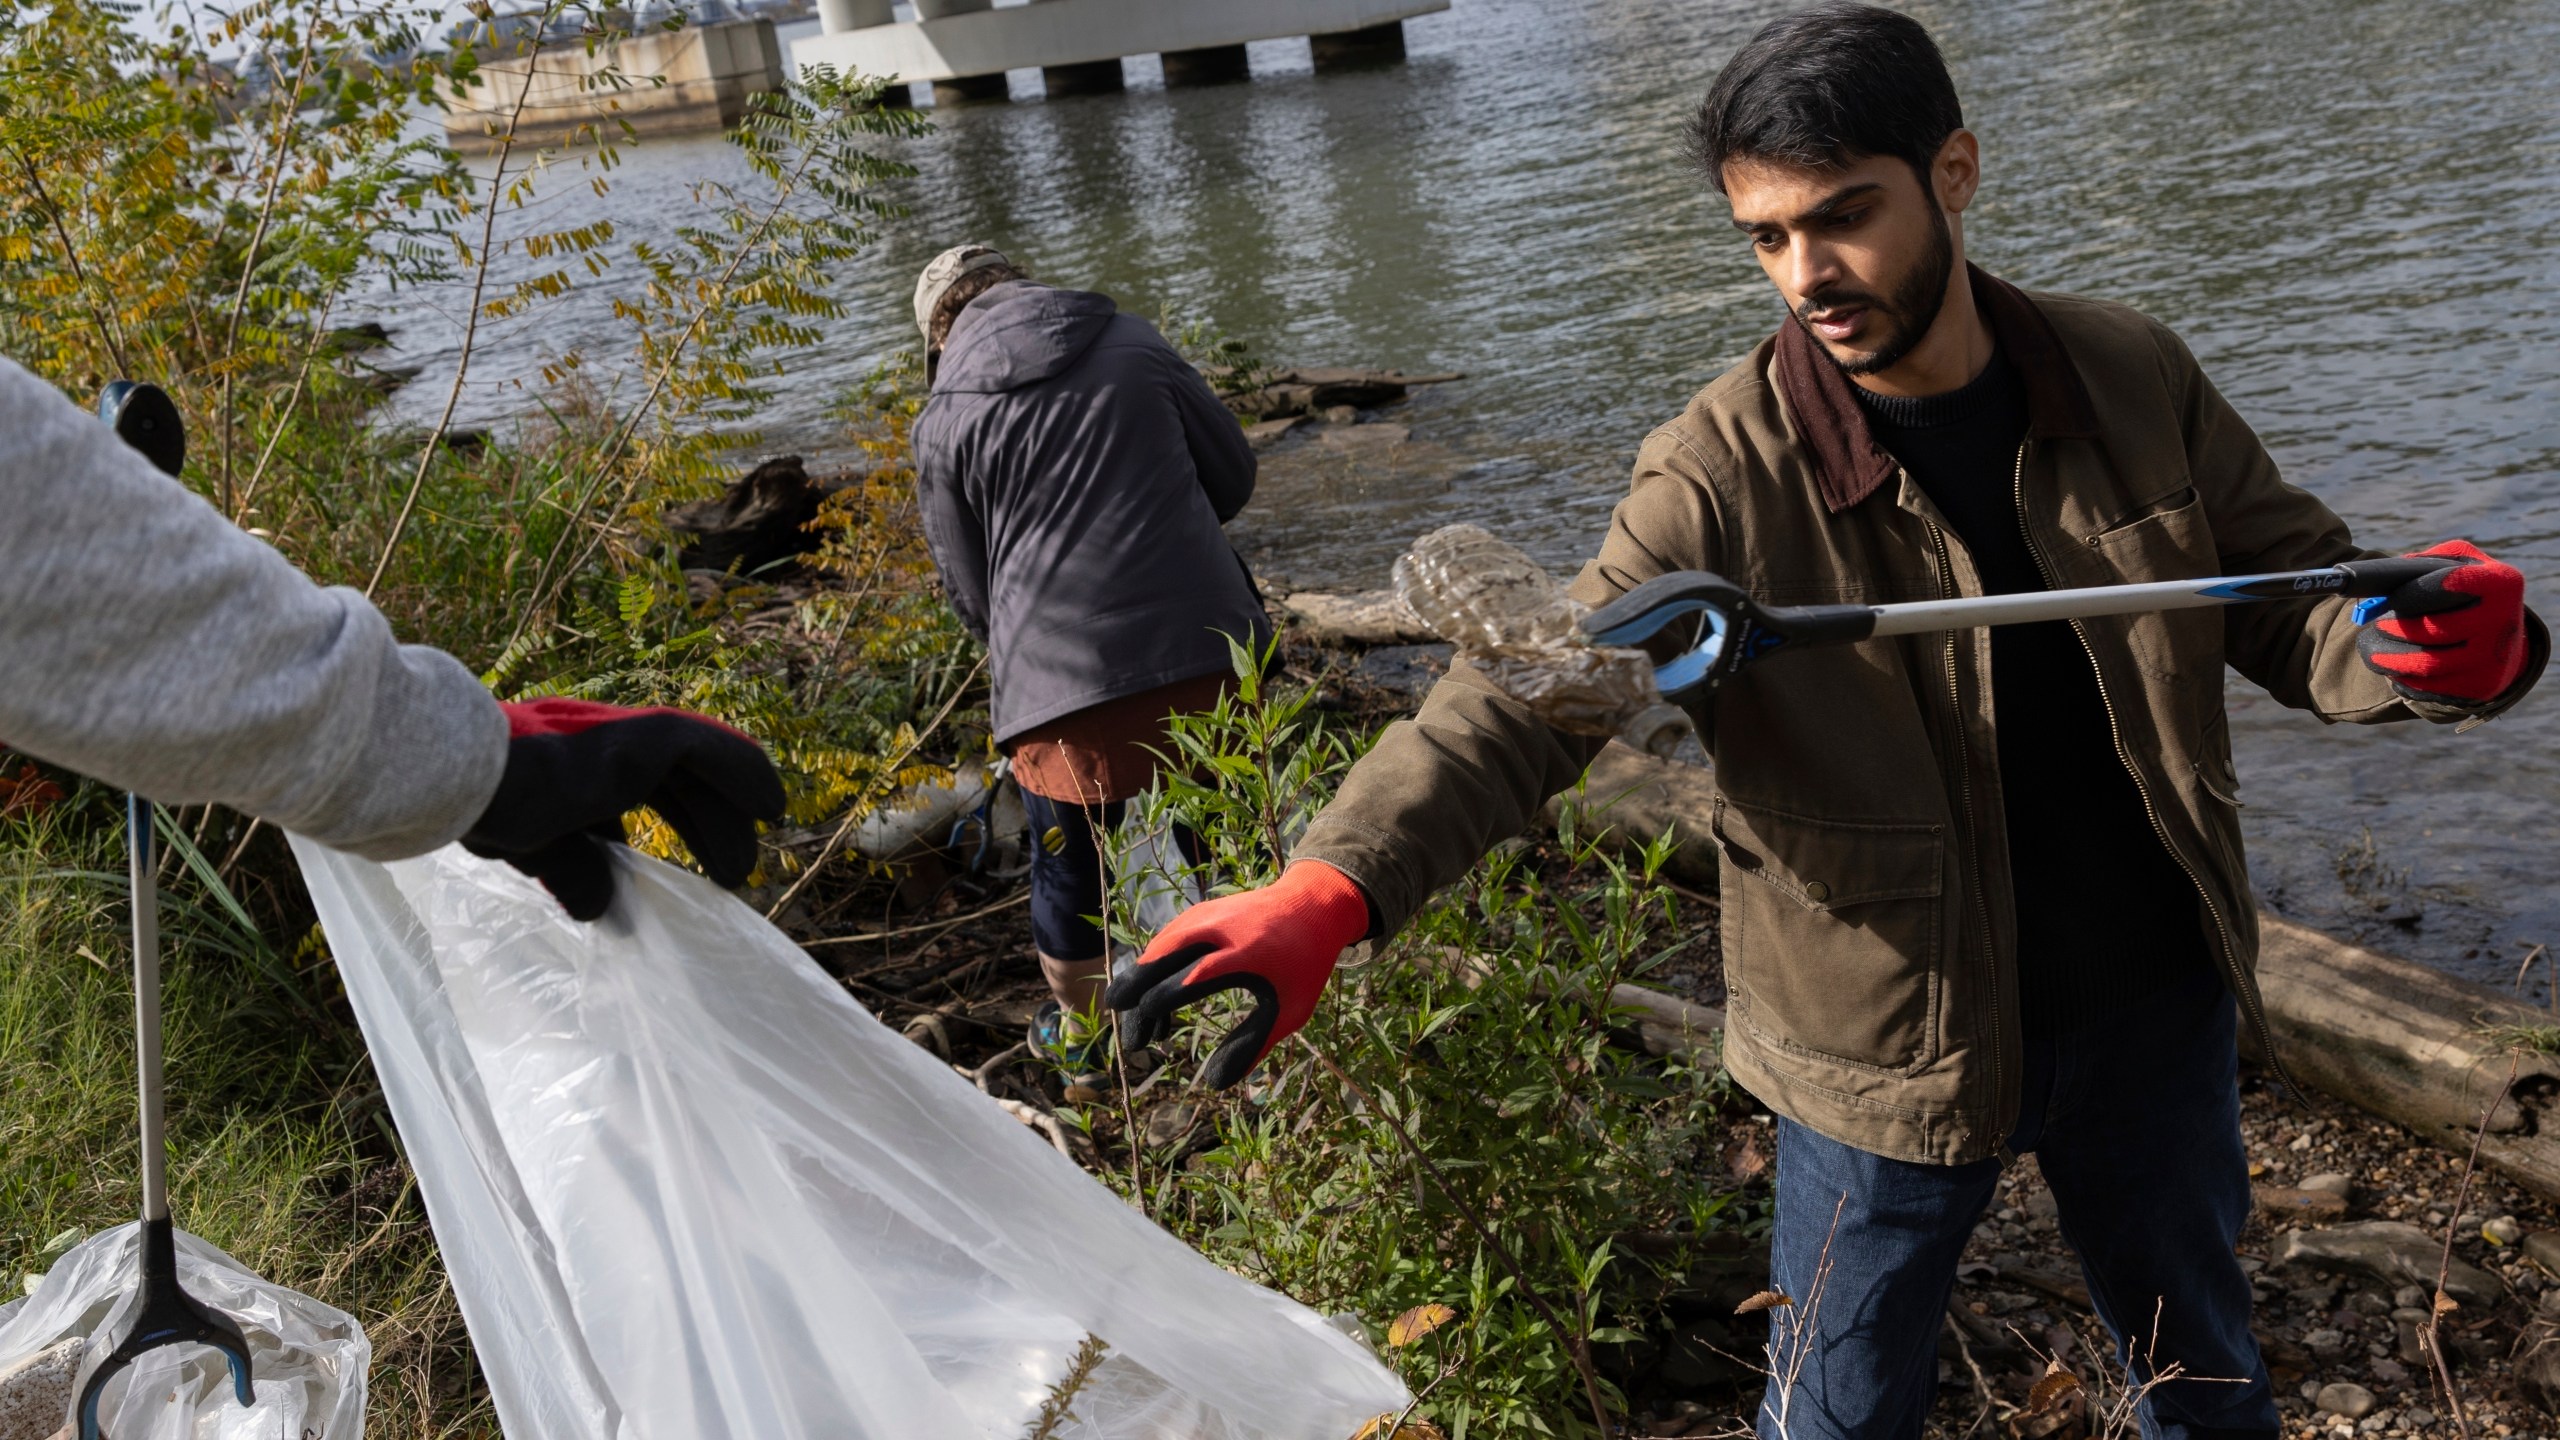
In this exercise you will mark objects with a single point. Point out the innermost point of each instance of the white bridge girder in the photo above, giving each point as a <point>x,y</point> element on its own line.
<point>1070,32</point>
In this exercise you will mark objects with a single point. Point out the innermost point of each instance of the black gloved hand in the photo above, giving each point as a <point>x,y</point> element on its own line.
<point>574,767</point>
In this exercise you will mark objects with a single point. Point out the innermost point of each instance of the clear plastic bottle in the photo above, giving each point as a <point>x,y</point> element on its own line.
<point>1515,623</point>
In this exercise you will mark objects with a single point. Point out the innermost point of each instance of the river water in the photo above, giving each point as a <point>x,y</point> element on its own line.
<point>2351,212</point>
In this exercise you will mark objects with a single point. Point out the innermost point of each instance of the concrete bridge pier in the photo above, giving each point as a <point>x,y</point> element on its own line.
<point>963,48</point>
<point>963,89</point>
<point>1358,49</point>
<point>1208,65</point>
<point>957,89</point>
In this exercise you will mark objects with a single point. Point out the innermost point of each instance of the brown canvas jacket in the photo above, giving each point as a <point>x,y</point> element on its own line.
<point>1867,914</point>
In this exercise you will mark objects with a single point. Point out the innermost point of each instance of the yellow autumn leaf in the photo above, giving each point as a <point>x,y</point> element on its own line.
<point>1417,1322</point>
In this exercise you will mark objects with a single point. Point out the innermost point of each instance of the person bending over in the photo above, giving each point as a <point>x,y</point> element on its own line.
<point>1984,892</point>
<point>1074,473</point>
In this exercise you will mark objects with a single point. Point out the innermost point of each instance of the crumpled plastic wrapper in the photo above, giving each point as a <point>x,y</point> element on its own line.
<point>1514,622</point>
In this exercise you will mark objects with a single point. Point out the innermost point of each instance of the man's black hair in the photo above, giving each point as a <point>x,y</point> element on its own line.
<point>1826,87</point>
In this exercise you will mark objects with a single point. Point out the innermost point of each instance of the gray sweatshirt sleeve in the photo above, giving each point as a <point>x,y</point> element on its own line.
<point>952,529</point>
<point>1219,450</point>
<point>148,642</point>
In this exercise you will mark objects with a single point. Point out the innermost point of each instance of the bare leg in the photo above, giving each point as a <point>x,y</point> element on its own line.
<point>1077,983</point>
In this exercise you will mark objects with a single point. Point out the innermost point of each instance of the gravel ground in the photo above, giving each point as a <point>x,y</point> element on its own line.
<point>2341,1345</point>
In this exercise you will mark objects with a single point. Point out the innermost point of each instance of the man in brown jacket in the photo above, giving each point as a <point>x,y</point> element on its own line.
<point>1983,893</point>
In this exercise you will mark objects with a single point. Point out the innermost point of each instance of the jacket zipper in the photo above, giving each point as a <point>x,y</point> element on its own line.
<point>2241,985</point>
<point>2002,1118</point>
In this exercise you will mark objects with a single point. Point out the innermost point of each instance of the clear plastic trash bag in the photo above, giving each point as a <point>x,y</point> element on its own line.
<point>307,1359</point>
<point>686,1187</point>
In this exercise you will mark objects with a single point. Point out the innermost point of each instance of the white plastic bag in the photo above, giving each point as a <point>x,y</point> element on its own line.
<point>307,1360</point>
<point>686,1187</point>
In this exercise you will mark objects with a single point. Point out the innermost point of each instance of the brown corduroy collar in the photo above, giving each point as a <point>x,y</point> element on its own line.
<point>1849,465</point>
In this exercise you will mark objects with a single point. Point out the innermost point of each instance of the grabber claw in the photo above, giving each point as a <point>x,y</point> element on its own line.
<point>155,1314</point>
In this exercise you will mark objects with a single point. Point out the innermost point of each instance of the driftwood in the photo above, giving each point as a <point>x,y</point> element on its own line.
<point>2412,1045</point>
<point>1313,391</point>
<point>2387,1035</point>
<point>1367,617</point>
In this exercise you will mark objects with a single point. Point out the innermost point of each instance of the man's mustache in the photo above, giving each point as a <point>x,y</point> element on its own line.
<point>1835,299</point>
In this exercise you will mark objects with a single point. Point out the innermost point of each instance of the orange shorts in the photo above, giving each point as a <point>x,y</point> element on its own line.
<point>1107,752</point>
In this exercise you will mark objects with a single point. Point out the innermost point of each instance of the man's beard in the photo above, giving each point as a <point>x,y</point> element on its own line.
<point>1913,309</point>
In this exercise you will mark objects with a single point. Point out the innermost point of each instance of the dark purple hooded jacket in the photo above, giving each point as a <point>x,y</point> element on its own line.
<point>1074,472</point>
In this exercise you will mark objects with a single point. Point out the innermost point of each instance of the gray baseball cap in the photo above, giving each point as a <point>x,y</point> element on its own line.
<point>944,272</point>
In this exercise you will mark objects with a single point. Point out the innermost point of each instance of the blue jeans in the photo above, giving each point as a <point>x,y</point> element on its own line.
<point>2136,1125</point>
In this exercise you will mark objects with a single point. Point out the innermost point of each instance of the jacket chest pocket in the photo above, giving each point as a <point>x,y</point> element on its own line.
<point>2174,541</point>
<point>1834,933</point>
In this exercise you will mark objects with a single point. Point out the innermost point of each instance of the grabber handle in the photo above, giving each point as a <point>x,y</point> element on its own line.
<point>2381,577</point>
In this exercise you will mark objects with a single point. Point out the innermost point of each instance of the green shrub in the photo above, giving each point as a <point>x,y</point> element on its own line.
<point>1470,1074</point>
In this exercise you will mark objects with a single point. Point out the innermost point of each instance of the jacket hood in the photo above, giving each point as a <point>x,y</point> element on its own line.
<point>1018,334</point>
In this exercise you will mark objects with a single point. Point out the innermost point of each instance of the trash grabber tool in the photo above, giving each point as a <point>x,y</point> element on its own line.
<point>1734,629</point>
<point>157,1312</point>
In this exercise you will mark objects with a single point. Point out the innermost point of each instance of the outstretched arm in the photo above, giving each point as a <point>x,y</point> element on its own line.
<point>148,642</point>
<point>1423,805</point>
<point>2305,653</point>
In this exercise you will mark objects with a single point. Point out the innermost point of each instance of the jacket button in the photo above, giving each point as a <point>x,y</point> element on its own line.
<point>1816,891</point>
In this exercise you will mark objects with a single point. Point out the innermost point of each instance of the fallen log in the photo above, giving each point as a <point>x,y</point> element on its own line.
<point>1367,617</point>
<point>2414,1045</point>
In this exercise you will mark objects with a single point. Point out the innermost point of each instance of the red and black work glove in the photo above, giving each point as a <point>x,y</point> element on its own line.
<point>574,767</point>
<point>2455,636</point>
<point>1280,942</point>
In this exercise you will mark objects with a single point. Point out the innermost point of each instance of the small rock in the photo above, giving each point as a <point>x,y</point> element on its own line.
<point>2389,1373</point>
<point>2550,1304</point>
<point>2353,1401</point>
<point>2504,1230</point>
<point>2409,1297</point>
<point>2042,1209</point>
<point>2542,1247</point>
<point>2539,1375</point>
<point>2290,1205</point>
<point>2408,1349</point>
<point>2417,1419</point>
<point>2325,1343</point>
<point>36,1392</point>
<point>1170,1122</point>
<point>2389,1251</point>
<point>1342,414</point>
<point>1264,432</point>
<point>2331,1183</point>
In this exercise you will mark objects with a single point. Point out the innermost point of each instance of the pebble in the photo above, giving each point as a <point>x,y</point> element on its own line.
<point>2410,1297</point>
<point>2504,1230</point>
<point>2330,1183</point>
<point>2342,1398</point>
<point>2325,1343</point>
<point>2390,1372</point>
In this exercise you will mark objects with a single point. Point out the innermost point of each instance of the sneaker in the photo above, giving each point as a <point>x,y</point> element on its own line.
<point>1081,1050</point>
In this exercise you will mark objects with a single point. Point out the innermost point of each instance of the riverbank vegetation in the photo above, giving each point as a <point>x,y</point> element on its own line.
<point>162,219</point>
